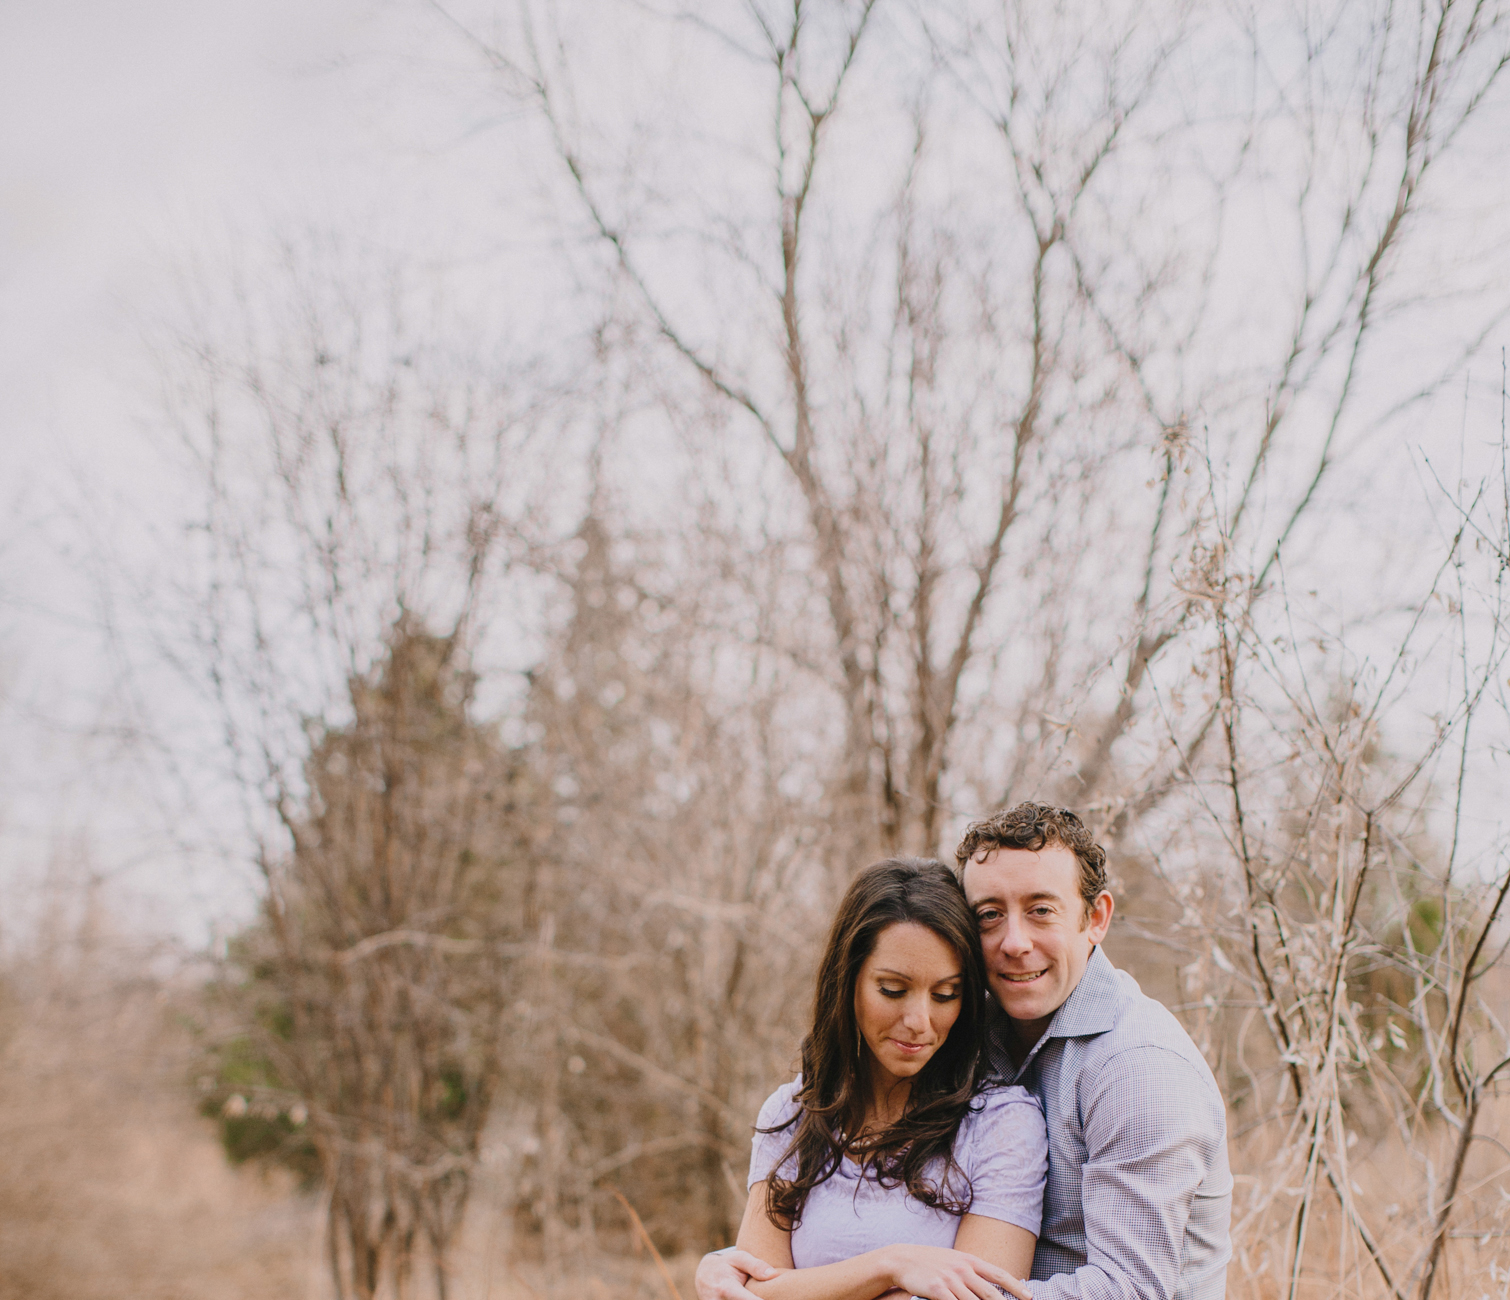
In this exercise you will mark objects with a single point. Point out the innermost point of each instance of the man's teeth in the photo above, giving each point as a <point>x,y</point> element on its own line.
<point>1022,979</point>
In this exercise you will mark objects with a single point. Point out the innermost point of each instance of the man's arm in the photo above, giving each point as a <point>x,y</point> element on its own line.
<point>1155,1128</point>
<point>722,1275</point>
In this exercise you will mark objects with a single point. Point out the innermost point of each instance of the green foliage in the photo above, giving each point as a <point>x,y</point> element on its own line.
<point>1425,925</point>
<point>455,1093</point>
<point>257,1118</point>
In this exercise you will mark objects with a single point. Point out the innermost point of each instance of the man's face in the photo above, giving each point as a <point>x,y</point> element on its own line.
<point>1035,931</point>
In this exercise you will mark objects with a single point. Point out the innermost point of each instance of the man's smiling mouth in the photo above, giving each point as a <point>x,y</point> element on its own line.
<point>1022,979</point>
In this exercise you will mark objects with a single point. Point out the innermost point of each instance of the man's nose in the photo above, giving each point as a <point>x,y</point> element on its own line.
<point>1014,937</point>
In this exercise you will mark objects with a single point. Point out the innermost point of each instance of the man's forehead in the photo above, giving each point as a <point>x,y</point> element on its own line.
<point>1050,871</point>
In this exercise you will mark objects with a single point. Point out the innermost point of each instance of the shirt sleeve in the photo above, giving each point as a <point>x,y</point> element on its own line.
<point>1005,1153</point>
<point>766,1148</point>
<point>1154,1129</point>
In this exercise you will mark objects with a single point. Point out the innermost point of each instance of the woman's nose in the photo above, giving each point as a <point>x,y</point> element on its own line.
<point>916,1016</point>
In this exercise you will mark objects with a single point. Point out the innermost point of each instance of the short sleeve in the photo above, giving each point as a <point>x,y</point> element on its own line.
<point>1003,1148</point>
<point>766,1148</point>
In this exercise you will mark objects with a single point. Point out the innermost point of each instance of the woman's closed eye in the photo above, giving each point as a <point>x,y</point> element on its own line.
<point>939,995</point>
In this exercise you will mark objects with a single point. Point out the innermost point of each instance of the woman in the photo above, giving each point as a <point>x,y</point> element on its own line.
<point>888,1167</point>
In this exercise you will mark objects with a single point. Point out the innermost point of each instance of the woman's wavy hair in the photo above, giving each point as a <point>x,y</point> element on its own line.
<point>835,1064</point>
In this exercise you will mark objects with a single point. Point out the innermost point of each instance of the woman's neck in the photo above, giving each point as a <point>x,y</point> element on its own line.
<point>888,1099</point>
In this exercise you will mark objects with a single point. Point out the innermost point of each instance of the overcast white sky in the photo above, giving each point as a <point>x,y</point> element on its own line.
<point>130,135</point>
<point>137,140</point>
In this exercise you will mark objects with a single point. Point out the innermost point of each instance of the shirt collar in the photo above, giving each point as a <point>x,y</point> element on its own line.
<point>1091,1008</point>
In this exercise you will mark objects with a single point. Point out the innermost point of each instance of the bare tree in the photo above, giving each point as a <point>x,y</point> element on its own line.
<point>670,921</point>
<point>1000,373</point>
<point>354,481</point>
<point>384,956</point>
<point>1337,938</point>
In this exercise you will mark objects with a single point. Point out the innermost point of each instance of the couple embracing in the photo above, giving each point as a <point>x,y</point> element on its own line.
<point>984,1098</point>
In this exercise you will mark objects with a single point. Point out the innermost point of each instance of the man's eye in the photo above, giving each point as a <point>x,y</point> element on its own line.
<point>987,916</point>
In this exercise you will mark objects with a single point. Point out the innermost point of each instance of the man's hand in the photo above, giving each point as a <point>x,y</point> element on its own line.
<point>938,1273</point>
<point>723,1277</point>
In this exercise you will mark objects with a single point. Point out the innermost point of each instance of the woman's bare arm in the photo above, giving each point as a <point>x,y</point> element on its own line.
<point>929,1271</point>
<point>759,1235</point>
<point>1003,1244</point>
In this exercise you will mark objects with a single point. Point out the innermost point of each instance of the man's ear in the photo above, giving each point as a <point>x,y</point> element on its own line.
<point>1098,916</point>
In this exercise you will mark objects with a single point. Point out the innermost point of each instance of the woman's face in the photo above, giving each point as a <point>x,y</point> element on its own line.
<point>907,998</point>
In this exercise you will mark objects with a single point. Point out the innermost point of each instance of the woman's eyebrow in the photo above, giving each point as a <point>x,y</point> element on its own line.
<point>907,975</point>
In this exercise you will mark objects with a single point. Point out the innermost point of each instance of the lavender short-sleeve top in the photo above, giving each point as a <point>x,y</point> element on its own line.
<point>1002,1146</point>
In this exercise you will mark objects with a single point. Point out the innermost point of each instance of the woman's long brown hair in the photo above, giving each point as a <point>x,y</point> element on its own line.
<point>835,1062</point>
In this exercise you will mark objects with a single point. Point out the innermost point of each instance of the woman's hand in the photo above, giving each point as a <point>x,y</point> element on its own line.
<point>938,1273</point>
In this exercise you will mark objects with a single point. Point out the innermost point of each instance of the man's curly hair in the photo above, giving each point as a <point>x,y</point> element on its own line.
<point>1032,826</point>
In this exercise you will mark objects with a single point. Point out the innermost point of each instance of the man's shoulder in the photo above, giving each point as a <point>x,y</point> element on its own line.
<point>1144,1076</point>
<point>1145,1035</point>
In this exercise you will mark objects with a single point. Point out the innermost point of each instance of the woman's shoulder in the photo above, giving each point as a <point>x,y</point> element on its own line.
<point>998,1098</point>
<point>1002,1109</point>
<point>773,1134</point>
<point>781,1107</point>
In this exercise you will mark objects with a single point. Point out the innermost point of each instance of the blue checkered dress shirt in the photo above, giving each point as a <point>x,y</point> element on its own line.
<point>1139,1197</point>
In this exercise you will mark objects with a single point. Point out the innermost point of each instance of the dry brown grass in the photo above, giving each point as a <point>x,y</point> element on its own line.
<point>110,1185</point>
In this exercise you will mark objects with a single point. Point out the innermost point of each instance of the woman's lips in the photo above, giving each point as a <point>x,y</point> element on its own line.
<point>908,1049</point>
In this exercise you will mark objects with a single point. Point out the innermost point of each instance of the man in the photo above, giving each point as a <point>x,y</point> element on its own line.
<point>1139,1195</point>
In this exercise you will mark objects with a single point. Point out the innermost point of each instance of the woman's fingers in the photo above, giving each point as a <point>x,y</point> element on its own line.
<point>966,1283</point>
<point>999,1277</point>
<point>935,1273</point>
<point>982,1289</point>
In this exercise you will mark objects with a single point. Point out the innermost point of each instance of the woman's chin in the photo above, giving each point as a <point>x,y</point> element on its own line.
<point>905,1067</point>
